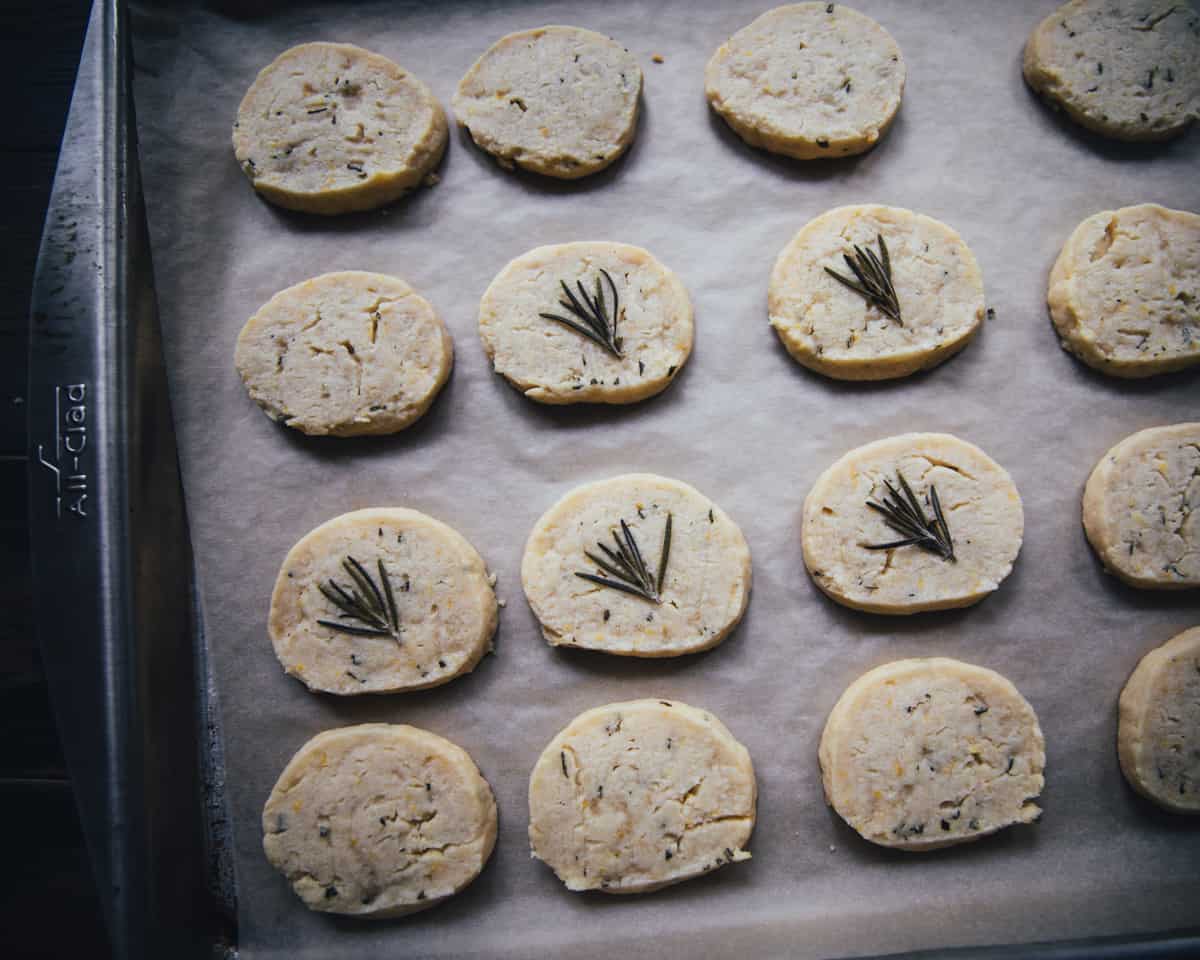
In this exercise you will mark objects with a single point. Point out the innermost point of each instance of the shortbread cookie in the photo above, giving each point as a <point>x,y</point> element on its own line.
<point>345,354</point>
<point>1158,734</point>
<point>379,821</point>
<point>921,754</point>
<point>331,128</point>
<point>831,328</point>
<point>635,796</point>
<point>808,80</point>
<point>1141,508</point>
<point>380,600</point>
<point>593,322</point>
<point>1128,69</point>
<point>638,565</point>
<point>1125,291</point>
<point>861,560</point>
<point>560,101</point>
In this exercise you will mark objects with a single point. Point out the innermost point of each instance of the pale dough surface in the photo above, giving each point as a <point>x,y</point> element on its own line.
<point>1125,291</point>
<point>345,354</point>
<point>447,610</point>
<point>925,753</point>
<point>808,80</point>
<point>980,503</point>
<point>705,590</point>
<point>332,128</point>
<point>551,363</point>
<point>1128,69</point>
<point>558,100</point>
<point>835,331</point>
<point>1158,733</point>
<point>379,821</point>
<point>634,796</point>
<point>1141,508</point>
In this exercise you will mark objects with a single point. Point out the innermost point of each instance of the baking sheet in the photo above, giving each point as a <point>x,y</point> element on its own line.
<point>743,423</point>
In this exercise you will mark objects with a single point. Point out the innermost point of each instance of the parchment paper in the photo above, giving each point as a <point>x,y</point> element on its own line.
<point>743,423</point>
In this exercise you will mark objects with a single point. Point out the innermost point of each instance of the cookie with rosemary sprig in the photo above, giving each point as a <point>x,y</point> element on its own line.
<point>381,600</point>
<point>920,521</point>
<point>587,322</point>
<point>637,565</point>
<point>871,292</point>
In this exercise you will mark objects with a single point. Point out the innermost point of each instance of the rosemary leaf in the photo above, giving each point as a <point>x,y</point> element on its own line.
<point>373,609</point>
<point>904,514</point>
<point>593,319</point>
<point>626,567</point>
<point>874,275</point>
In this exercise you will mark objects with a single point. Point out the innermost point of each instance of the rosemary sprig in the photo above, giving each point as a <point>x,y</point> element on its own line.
<point>371,606</point>
<point>903,513</point>
<point>626,569</point>
<point>874,275</point>
<point>592,315</point>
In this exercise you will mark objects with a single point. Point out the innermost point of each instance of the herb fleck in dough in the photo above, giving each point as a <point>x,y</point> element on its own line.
<point>559,101</point>
<point>1158,734</point>
<point>332,128</point>
<point>1125,291</point>
<point>1141,508</point>
<point>835,331</point>
<point>808,80</point>
<point>921,754</point>
<point>445,607</point>
<point>635,796</point>
<point>379,821</point>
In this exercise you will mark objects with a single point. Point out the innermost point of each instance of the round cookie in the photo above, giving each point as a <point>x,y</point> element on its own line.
<point>1128,70</point>
<point>638,565</point>
<point>926,753</point>
<point>635,796</point>
<point>379,821</point>
<point>345,354</point>
<point>560,101</point>
<point>833,329</point>
<point>1141,508</point>
<point>547,323</point>
<point>381,600</point>
<point>808,80</point>
<point>1158,732</point>
<point>1125,291</point>
<point>332,128</point>
<point>844,539</point>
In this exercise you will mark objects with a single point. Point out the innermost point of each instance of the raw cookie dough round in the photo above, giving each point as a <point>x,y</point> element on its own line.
<point>428,615</point>
<point>635,796</point>
<point>808,80</point>
<point>1128,69</point>
<point>926,753</point>
<point>561,101</point>
<point>550,362</point>
<point>704,590</point>
<point>977,497</point>
<point>1125,291</point>
<point>1158,733</point>
<point>1141,508</point>
<point>332,128</point>
<point>834,330</point>
<point>345,354</point>
<point>379,821</point>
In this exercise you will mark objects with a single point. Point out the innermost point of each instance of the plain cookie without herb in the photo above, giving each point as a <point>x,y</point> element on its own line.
<point>587,322</point>
<point>1124,293</point>
<point>833,329</point>
<point>381,600</point>
<point>921,754</point>
<point>1127,69</point>
<point>332,128</point>
<point>379,821</point>
<point>635,796</point>
<point>1141,508</point>
<point>808,80</point>
<point>560,101</point>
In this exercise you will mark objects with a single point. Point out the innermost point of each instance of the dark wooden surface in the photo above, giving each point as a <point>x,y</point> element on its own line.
<point>48,906</point>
